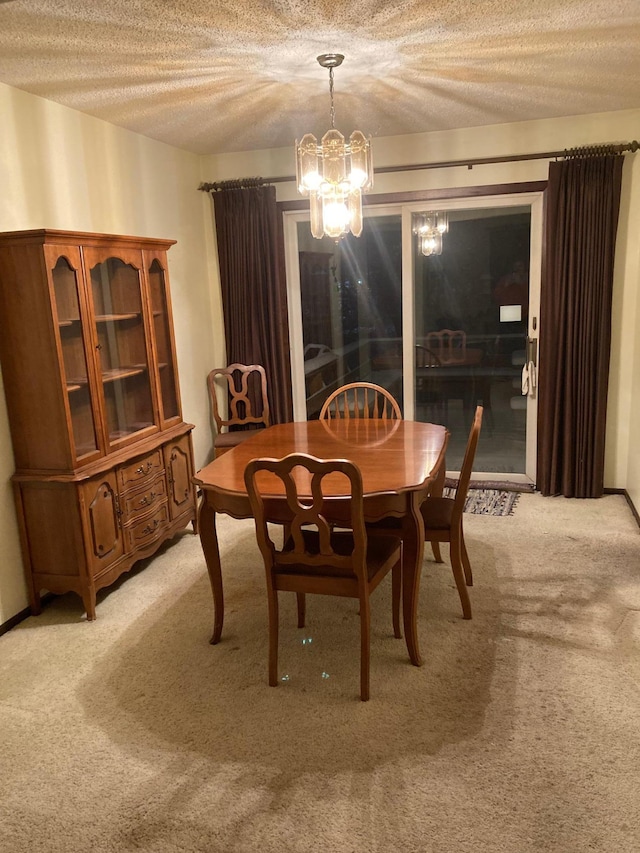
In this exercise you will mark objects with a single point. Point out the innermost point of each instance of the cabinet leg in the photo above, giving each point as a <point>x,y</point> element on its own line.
<point>89,601</point>
<point>35,602</point>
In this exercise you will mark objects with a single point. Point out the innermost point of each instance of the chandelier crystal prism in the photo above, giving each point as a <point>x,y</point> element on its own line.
<point>335,173</point>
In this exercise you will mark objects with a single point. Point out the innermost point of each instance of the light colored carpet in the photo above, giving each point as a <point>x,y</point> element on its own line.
<point>520,733</point>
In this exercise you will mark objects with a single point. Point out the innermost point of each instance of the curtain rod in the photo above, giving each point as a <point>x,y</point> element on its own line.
<point>619,148</point>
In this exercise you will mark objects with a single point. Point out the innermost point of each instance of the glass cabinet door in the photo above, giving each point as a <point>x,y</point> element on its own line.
<point>116,289</point>
<point>67,311</point>
<point>162,334</point>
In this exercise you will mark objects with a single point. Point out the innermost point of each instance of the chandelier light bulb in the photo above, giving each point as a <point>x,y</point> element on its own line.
<point>334,173</point>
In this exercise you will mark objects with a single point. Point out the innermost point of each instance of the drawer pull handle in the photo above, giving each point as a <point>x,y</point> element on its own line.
<point>144,469</point>
<point>147,499</point>
<point>151,527</point>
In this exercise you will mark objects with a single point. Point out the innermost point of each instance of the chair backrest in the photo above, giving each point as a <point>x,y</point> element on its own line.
<point>361,400</point>
<point>246,385</point>
<point>310,543</point>
<point>426,357</point>
<point>449,344</point>
<point>467,465</point>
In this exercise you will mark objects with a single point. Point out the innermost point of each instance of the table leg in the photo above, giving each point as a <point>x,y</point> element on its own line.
<point>209,542</point>
<point>412,553</point>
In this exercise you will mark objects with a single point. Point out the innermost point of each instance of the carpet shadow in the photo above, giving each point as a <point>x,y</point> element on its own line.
<point>162,686</point>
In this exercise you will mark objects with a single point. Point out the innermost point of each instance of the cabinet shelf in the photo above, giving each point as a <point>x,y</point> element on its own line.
<point>112,375</point>
<point>123,433</point>
<point>116,373</point>
<point>64,324</point>
<point>114,318</point>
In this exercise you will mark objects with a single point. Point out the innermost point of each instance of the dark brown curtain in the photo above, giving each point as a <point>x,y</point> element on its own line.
<point>254,296</point>
<point>583,199</point>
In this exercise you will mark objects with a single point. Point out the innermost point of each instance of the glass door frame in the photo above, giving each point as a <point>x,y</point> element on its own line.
<point>405,209</point>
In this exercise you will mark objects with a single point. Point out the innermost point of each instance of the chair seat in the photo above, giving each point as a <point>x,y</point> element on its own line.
<point>233,439</point>
<point>437,513</point>
<point>379,550</point>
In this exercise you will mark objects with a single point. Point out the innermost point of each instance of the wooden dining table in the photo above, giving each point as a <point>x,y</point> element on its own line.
<point>399,461</point>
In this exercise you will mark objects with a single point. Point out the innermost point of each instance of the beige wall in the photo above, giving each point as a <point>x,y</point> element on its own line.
<point>61,169</point>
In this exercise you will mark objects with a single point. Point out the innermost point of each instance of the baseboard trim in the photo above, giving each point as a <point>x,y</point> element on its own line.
<point>624,492</point>
<point>635,512</point>
<point>22,615</point>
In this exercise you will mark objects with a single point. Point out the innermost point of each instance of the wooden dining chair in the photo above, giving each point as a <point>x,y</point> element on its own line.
<point>317,558</point>
<point>248,403</point>
<point>361,400</point>
<point>443,520</point>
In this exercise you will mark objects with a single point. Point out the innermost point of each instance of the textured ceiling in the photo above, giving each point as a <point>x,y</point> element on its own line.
<point>237,75</point>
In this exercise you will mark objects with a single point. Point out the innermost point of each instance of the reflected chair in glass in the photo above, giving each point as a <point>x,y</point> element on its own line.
<point>248,403</point>
<point>428,391</point>
<point>317,558</point>
<point>450,345</point>
<point>361,400</point>
<point>457,381</point>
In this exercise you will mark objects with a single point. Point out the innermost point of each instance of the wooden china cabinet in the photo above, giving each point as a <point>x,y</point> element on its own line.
<point>104,461</point>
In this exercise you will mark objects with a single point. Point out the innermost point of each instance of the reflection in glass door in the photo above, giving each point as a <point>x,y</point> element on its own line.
<point>471,303</point>
<point>351,307</point>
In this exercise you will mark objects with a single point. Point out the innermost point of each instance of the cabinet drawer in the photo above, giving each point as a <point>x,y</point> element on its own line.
<point>148,528</point>
<point>141,501</point>
<point>144,468</point>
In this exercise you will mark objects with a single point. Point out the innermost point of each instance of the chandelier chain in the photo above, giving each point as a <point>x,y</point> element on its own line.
<point>333,109</point>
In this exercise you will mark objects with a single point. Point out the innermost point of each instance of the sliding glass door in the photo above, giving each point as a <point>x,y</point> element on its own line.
<point>471,305</point>
<point>442,332</point>
<point>347,327</point>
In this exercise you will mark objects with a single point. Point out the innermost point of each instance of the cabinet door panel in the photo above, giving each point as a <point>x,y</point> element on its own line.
<point>103,521</point>
<point>163,337</point>
<point>122,345</point>
<point>179,476</point>
<point>74,341</point>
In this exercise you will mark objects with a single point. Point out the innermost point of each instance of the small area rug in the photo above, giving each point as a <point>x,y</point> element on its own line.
<point>487,501</point>
<point>502,485</point>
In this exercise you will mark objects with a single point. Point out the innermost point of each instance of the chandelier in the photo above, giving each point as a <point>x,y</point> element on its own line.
<point>335,173</point>
<point>430,227</point>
